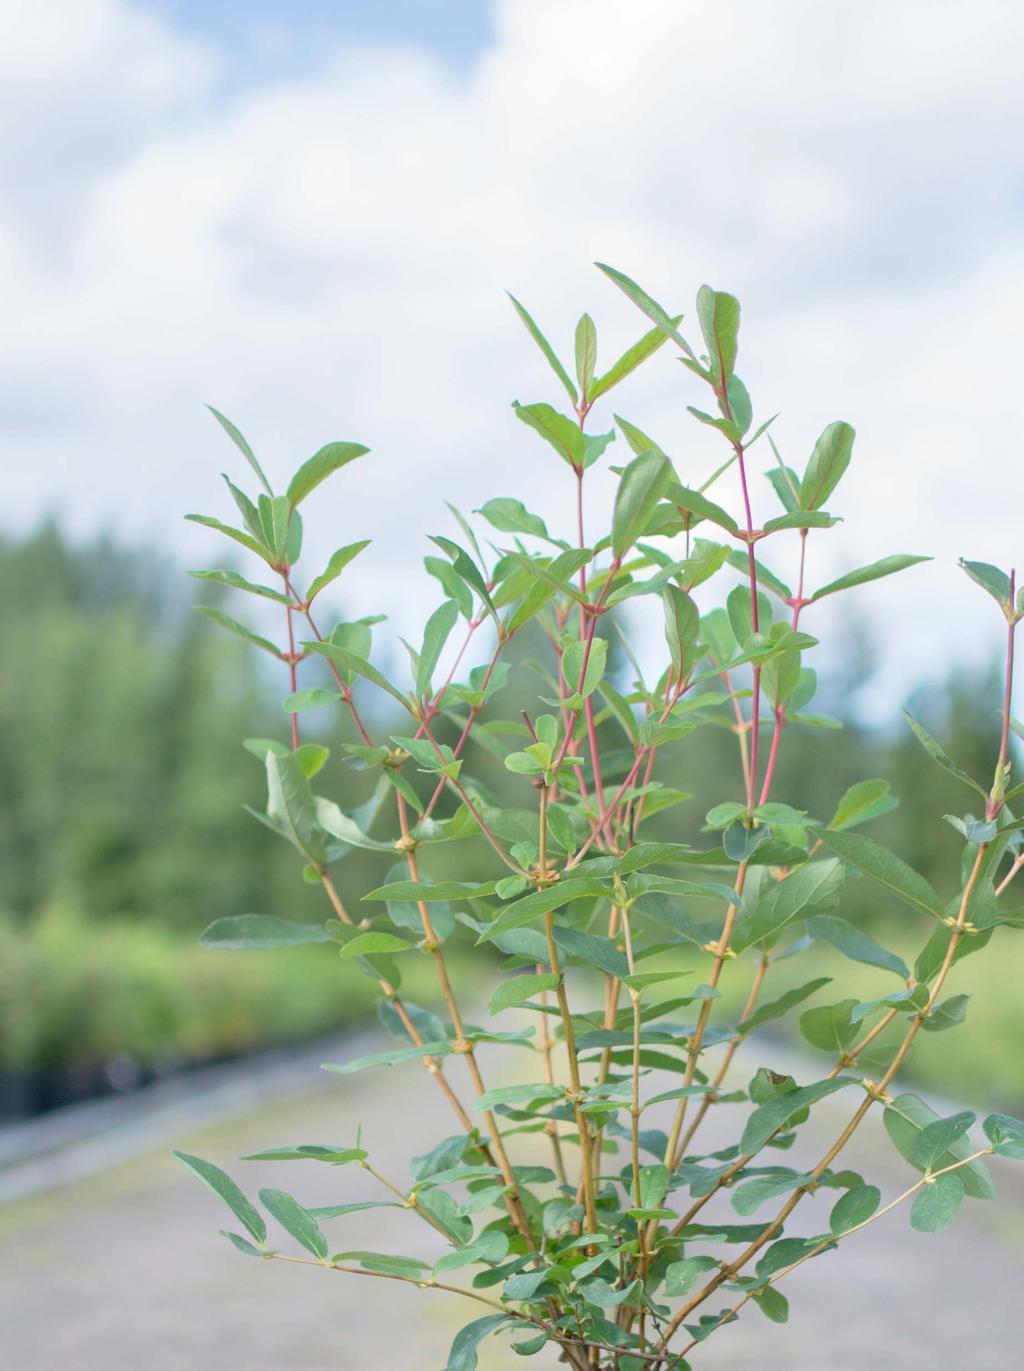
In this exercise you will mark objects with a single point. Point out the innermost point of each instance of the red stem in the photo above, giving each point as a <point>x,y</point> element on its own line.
<point>293,674</point>
<point>994,806</point>
<point>780,712</point>
<point>755,707</point>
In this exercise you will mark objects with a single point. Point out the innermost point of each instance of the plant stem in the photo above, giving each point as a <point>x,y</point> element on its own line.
<point>467,800</point>
<point>721,950</point>
<point>878,1091</point>
<point>292,665</point>
<point>462,1044</point>
<point>569,1035</point>
<point>432,1064</point>
<point>836,1238</point>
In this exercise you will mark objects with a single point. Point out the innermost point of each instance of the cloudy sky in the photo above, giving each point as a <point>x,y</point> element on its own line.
<point>307,214</point>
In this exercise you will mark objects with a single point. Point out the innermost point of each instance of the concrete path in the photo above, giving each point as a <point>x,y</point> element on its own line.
<point>125,1271</point>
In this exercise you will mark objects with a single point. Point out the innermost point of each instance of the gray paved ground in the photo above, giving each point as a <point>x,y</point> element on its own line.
<point>124,1271</point>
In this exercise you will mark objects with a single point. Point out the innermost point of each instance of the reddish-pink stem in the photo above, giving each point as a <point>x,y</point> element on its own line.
<point>755,707</point>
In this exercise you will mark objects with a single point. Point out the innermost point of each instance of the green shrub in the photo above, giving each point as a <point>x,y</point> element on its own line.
<point>643,1237</point>
<point>75,993</point>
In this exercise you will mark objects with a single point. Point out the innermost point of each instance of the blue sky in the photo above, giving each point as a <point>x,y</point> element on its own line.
<point>263,38</point>
<point>308,214</point>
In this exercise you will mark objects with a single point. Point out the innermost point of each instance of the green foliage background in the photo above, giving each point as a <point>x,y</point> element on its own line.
<point>122,831</point>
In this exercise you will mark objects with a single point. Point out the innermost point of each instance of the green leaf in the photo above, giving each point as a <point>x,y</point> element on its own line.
<point>682,624</point>
<point>531,1346</point>
<point>342,826</point>
<point>855,1207</point>
<point>935,1140</point>
<point>750,1195</point>
<point>235,534</point>
<point>933,955</point>
<point>728,427</point>
<point>542,902</point>
<point>443,1211</point>
<point>636,437</point>
<point>435,635</point>
<point>291,805</point>
<point>884,866</point>
<point>250,514</point>
<point>649,306</point>
<point>337,1211</point>
<point>830,1027</point>
<point>693,502</point>
<point>557,429</point>
<point>852,943</point>
<point>586,352</point>
<point>351,661</point>
<point>428,892</point>
<point>546,348</point>
<point>311,698</point>
<point>296,1220</point>
<point>935,1206</point>
<point>518,1096</point>
<point>682,1276</point>
<point>593,948</point>
<point>829,460</point>
<point>490,1247</point>
<point>553,573</point>
<point>222,1185</point>
<point>777,1008</point>
<point>275,515</point>
<point>322,464</point>
<point>310,1152</point>
<point>512,516</point>
<point>863,801</point>
<point>339,561</point>
<point>740,560</point>
<point>809,889</point>
<point>629,361</point>
<point>934,749</point>
<point>521,988</point>
<point>465,567</point>
<point>243,1245</point>
<point>948,1014</point>
<point>990,578</point>
<point>886,567</point>
<point>463,1354</point>
<point>719,318</point>
<point>775,1114</point>
<point>312,758</point>
<point>233,626</point>
<point>242,446</point>
<point>641,486</point>
<point>906,1118</point>
<point>785,1253</point>
<point>739,607</point>
<point>437,1048</point>
<point>255,932</point>
<point>410,1267</point>
<point>550,576</point>
<point>572,665</point>
<point>375,944</point>
<point>236,582</point>
<point>801,519</point>
<point>1006,1134</point>
<point>772,1303</point>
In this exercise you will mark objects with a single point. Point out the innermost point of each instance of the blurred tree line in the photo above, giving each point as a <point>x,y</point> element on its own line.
<point>122,782</point>
<point>121,714</point>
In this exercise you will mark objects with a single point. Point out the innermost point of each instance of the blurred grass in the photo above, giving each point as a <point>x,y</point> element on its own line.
<point>978,1064</point>
<point>75,993</point>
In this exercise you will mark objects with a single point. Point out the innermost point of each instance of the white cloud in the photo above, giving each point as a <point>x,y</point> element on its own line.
<point>325,258</point>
